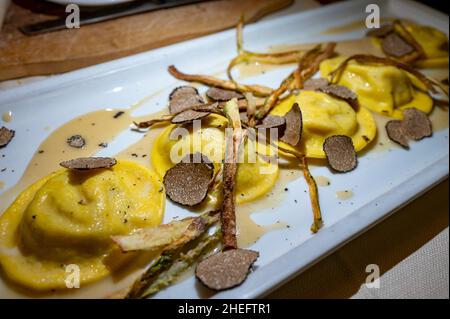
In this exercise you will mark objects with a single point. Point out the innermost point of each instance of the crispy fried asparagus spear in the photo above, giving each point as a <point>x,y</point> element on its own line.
<point>312,185</point>
<point>265,58</point>
<point>182,263</point>
<point>313,195</point>
<point>233,144</point>
<point>215,107</point>
<point>171,252</point>
<point>313,191</point>
<point>251,109</point>
<point>211,81</point>
<point>308,65</point>
<point>153,238</point>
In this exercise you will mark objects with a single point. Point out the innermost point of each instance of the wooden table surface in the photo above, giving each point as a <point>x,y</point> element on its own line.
<point>70,49</point>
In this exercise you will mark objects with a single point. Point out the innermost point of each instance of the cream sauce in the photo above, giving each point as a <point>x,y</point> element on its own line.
<point>139,152</point>
<point>344,195</point>
<point>95,127</point>
<point>247,229</point>
<point>247,70</point>
<point>349,47</point>
<point>322,181</point>
<point>7,117</point>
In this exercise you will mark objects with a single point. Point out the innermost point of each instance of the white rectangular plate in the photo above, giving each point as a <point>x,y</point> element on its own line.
<point>382,183</point>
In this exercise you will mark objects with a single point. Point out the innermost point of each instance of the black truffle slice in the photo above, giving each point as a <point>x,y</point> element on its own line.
<point>395,46</point>
<point>383,31</point>
<point>340,153</point>
<point>6,135</point>
<point>294,126</point>
<point>187,183</point>
<point>209,108</point>
<point>272,121</point>
<point>188,116</point>
<point>416,124</point>
<point>341,92</point>
<point>184,98</point>
<point>222,95</point>
<point>226,269</point>
<point>76,141</point>
<point>315,84</point>
<point>88,163</point>
<point>396,133</point>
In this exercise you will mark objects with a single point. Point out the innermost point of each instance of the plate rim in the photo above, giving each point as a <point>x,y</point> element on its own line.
<point>90,3</point>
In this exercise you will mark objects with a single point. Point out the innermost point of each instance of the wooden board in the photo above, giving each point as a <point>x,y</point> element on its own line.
<point>67,50</point>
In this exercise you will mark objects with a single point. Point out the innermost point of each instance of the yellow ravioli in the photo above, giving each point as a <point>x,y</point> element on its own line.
<point>68,218</point>
<point>386,90</point>
<point>255,177</point>
<point>434,43</point>
<point>325,116</point>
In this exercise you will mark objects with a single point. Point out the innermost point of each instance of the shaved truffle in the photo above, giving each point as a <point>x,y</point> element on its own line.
<point>88,163</point>
<point>226,269</point>
<point>272,121</point>
<point>341,92</point>
<point>382,31</point>
<point>222,95</point>
<point>395,46</point>
<point>396,133</point>
<point>188,116</point>
<point>76,141</point>
<point>183,98</point>
<point>209,108</point>
<point>416,124</point>
<point>187,183</point>
<point>6,135</point>
<point>315,84</point>
<point>294,126</point>
<point>341,154</point>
